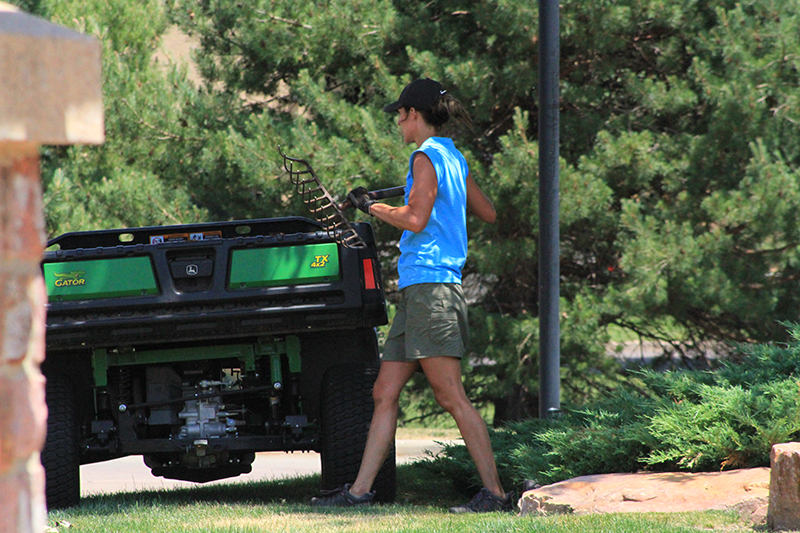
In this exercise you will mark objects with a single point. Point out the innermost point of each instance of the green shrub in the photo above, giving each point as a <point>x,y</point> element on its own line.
<point>728,427</point>
<point>679,420</point>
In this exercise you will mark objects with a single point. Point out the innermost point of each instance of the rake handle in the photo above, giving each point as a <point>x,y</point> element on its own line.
<point>380,194</point>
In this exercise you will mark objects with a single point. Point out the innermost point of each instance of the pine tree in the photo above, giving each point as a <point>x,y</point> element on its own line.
<point>680,153</point>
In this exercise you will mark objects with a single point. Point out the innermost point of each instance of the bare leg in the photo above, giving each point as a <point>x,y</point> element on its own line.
<point>444,375</point>
<point>391,379</point>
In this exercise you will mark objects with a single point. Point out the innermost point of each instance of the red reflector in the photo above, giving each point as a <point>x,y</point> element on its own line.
<point>369,275</point>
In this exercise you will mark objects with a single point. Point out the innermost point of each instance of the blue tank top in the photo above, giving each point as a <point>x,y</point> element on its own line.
<point>437,253</point>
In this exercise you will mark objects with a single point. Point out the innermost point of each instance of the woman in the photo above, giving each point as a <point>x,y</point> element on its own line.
<point>430,328</point>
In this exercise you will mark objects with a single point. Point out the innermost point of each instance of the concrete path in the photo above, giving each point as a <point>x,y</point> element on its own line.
<point>130,474</point>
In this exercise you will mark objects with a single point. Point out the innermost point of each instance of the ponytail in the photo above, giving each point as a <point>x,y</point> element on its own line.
<point>445,108</point>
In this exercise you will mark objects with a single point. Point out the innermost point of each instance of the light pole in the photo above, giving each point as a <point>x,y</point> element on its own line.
<point>549,275</point>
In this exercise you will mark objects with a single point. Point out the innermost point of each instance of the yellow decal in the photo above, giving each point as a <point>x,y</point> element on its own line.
<point>320,261</point>
<point>70,279</point>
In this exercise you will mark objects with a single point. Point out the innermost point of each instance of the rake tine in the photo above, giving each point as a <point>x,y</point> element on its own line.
<point>320,203</point>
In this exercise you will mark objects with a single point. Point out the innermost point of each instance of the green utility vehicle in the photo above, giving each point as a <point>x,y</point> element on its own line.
<point>197,346</point>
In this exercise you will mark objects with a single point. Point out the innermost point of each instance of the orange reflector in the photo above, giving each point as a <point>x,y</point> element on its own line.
<point>369,275</point>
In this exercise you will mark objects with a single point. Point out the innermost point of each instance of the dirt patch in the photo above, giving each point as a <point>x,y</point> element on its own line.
<point>177,48</point>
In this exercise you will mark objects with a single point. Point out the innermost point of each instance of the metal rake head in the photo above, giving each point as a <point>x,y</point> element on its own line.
<point>320,202</point>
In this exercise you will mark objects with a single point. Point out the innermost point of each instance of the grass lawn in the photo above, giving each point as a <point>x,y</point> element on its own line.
<point>204,516</point>
<point>282,506</point>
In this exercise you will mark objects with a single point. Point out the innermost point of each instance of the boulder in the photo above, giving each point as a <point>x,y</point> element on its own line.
<point>745,490</point>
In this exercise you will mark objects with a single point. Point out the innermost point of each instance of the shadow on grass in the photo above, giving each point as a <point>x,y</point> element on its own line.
<point>417,485</point>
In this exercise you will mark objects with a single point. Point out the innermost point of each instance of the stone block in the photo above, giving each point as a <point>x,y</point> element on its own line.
<point>22,498</point>
<point>784,487</point>
<point>50,88</point>
<point>21,223</point>
<point>22,412</point>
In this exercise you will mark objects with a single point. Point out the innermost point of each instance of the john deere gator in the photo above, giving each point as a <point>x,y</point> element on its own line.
<point>198,346</point>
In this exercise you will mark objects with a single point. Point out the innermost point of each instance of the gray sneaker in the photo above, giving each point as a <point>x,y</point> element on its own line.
<point>486,502</point>
<point>342,497</point>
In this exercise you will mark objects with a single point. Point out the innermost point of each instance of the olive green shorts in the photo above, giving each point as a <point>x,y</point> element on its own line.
<point>431,321</point>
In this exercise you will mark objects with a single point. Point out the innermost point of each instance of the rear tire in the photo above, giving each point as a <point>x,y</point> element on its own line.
<point>346,413</point>
<point>61,455</point>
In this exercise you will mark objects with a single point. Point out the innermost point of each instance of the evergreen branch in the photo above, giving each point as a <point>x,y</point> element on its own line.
<point>166,213</point>
<point>776,282</point>
<point>782,249</point>
<point>165,135</point>
<point>258,156</point>
<point>281,19</point>
<point>669,346</point>
<point>424,416</point>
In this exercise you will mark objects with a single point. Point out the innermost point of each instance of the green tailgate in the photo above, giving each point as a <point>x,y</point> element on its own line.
<point>100,278</point>
<point>287,265</point>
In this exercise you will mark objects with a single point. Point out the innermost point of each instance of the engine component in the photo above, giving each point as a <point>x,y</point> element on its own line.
<point>205,417</point>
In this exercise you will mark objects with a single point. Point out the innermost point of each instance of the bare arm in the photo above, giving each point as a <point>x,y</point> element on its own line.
<point>478,203</point>
<point>413,216</point>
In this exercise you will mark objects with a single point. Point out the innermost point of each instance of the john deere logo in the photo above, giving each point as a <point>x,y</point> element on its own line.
<point>320,261</point>
<point>70,279</point>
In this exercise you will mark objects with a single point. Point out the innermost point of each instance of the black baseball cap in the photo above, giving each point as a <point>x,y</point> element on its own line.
<point>419,94</point>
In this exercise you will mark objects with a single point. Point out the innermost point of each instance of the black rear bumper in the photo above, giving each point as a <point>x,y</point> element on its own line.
<point>210,309</point>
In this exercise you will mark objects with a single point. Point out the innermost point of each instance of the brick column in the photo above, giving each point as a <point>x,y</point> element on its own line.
<point>23,413</point>
<point>49,94</point>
